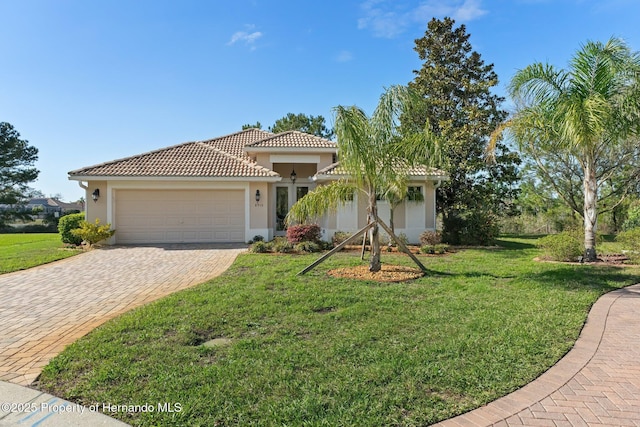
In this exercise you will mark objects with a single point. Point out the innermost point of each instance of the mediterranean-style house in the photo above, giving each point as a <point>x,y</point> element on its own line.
<point>233,188</point>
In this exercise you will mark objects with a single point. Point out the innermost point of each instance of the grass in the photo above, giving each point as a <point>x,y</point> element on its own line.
<point>317,350</point>
<point>22,251</point>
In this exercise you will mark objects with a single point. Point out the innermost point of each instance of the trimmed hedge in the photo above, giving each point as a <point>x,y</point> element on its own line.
<point>68,223</point>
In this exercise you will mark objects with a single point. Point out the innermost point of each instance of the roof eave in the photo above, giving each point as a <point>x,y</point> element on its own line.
<point>336,177</point>
<point>321,150</point>
<point>175,178</point>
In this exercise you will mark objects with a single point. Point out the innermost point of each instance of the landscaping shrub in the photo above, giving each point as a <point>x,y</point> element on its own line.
<point>303,233</point>
<point>481,228</point>
<point>403,238</point>
<point>439,249</point>
<point>630,239</point>
<point>30,228</point>
<point>428,249</point>
<point>430,238</point>
<point>257,238</point>
<point>474,228</point>
<point>384,239</point>
<point>339,237</point>
<point>565,246</point>
<point>281,245</point>
<point>308,247</point>
<point>92,233</point>
<point>260,247</point>
<point>68,223</point>
<point>633,218</point>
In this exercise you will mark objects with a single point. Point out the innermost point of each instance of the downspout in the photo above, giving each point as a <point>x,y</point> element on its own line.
<point>85,187</point>
<point>437,185</point>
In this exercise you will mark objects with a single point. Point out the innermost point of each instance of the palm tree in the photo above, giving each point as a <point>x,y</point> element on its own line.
<point>583,112</point>
<point>374,156</point>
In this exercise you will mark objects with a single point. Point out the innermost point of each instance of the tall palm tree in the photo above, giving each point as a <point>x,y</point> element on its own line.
<point>374,156</point>
<point>583,111</point>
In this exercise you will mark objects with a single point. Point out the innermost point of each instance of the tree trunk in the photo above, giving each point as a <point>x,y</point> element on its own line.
<point>391,226</point>
<point>590,212</point>
<point>374,263</point>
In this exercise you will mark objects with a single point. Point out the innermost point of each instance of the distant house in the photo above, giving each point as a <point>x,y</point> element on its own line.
<point>232,188</point>
<point>46,206</point>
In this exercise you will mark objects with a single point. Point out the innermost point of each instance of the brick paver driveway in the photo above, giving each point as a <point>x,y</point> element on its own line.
<point>44,309</point>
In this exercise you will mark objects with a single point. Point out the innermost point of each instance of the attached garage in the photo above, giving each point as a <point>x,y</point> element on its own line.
<point>179,216</point>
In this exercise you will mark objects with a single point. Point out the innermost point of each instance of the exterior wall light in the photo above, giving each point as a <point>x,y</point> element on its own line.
<point>294,175</point>
<point>257,195</point>
<point>95,195</point>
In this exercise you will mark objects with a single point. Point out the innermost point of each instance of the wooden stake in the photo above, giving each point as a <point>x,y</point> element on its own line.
<point>336,249</point>
<point>402,245</point>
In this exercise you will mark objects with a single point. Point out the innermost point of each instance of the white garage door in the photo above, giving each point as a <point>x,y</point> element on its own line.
<point>179,216</point>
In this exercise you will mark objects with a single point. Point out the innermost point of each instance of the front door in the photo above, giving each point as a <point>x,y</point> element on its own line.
<point>286,196</point>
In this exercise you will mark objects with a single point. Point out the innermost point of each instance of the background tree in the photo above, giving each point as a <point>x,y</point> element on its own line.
<point>455,85</point>
<point>375,157</point>
<point>258,125</point>
<point>540,209</point>
<point>16,171</point>
<point>314,125</point>
<point>617,172</point>
<point>581,124</point>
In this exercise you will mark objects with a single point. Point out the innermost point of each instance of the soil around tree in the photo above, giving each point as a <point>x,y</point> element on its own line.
<point>620,260</point>
<point>388,273</point>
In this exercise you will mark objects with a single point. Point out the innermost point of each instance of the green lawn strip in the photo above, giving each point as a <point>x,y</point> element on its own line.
<point>316,350</point>
<point>22,251</point>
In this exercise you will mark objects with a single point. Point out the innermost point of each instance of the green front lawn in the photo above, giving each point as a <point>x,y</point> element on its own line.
<point>22,251</point>
<point>316,350</point>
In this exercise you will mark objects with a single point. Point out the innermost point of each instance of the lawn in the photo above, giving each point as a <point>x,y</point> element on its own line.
<point>316,350</point>
<point>22,251</point>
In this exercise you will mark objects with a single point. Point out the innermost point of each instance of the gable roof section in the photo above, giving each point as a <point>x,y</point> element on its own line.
<point>292,140</point>
<point>219,157</point>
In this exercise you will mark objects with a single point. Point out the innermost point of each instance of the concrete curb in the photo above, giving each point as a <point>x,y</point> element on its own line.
<point>22,406</point>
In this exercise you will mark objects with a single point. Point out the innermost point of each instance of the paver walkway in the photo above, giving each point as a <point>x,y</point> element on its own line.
<point>44,309</point>
<point>596,384</point>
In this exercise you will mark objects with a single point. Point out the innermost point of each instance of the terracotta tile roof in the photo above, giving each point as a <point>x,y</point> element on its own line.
<point>293,139</point>
<point>335,170</point>
<point>219,157</point>
<point>234,144</point>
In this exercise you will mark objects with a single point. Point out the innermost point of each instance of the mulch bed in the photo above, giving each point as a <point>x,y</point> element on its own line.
<point>388,273</point>
<point>613,259</point>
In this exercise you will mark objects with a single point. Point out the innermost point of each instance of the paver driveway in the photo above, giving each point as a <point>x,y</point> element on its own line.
<point>44,309</point>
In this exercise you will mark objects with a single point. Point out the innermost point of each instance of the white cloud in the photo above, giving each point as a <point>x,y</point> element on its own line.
<point>468,11</point>
<point>391,18</point>
<point>344,56</point>
<point>246,37</point>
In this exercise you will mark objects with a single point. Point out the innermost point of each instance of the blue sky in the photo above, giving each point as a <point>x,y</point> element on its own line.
<point>86,81</point>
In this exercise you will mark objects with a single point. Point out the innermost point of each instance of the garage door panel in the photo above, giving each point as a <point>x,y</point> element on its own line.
<point>174,216</point>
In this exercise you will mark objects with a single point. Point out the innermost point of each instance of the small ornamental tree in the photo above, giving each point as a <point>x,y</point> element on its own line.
<point>376,157</point>
<point>92,233</point>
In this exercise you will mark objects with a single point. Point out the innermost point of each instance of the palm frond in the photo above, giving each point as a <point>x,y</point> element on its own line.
<point>323,199</point>
<point>537,83</point>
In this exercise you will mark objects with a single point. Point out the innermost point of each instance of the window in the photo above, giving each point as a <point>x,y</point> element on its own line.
<point>301,192</point>
<point>414,194</point>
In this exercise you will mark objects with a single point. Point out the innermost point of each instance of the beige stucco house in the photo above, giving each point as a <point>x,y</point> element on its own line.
<point>232,188</point>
